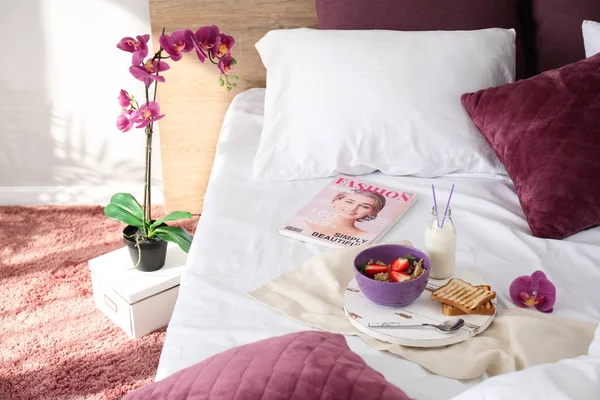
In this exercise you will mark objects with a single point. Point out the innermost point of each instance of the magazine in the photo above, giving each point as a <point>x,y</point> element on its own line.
<point>349,211</point>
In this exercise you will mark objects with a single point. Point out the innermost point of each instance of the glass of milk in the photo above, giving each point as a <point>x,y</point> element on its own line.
<point>440,243</point>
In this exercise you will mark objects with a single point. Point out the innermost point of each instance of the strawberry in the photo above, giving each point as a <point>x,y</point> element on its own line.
<point>400,264</point>
<point>374,269</point>
<point>396,276</point>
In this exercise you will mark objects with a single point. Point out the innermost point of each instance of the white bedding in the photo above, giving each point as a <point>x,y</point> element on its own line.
<point>237,249</point>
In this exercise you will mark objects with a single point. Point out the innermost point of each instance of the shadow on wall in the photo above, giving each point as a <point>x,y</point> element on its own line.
<point>25,135</point>
<point>31,156</point>
<point>47,151</point>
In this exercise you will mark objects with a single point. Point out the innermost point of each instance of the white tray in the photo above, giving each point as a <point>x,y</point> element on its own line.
<point>360,311</point>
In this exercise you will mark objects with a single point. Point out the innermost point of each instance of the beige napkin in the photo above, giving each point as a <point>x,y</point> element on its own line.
<point>314,294</point>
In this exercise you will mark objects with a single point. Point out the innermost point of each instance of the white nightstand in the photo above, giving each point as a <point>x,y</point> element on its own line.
<point>138,302</point>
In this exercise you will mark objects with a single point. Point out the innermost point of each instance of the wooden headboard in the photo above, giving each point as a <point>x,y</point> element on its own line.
<point>191,98</point>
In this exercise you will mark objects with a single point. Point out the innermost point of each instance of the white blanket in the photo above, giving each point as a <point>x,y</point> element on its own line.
<point>571,379</point>
<point>237,249</point>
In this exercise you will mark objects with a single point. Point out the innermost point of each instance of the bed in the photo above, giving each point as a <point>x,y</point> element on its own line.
<point>237,249</point>
<point>468,49</point>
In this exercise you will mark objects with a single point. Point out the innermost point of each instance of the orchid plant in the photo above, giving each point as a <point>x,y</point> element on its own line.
<point>209,44</point>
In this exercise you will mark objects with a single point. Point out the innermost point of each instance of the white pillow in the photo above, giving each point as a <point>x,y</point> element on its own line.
<point>353,102</point>
<point>591,37</point>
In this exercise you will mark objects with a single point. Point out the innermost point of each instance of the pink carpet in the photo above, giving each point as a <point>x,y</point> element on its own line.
<point>54,343</point>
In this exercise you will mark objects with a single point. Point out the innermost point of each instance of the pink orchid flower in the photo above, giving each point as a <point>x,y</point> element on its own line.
<point>225,44</point>
<point>226,63</point>
<point>124,99</point>
<point>148,113</point>
<point>534,291</point>
<point>180,41</point>
<point>207,40</point>
<point>126,120</point>
<point>138,47</point>
<point>147,72</point>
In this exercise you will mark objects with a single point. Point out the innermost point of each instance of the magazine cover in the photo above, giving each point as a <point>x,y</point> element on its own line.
<point>349,211</point>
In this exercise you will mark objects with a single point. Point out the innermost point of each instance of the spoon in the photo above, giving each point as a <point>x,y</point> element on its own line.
<point>449,326</point>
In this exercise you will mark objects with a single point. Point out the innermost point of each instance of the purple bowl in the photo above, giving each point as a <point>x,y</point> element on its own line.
<point>391,294</point>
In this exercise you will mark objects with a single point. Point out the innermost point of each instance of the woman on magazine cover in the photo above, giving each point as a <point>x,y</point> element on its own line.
<point>350,208</point>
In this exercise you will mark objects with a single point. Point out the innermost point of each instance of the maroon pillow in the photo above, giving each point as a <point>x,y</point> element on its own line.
<point>424,15</point>
<point>546,132</point>
<point>305,365</point>
<point>559,40</point>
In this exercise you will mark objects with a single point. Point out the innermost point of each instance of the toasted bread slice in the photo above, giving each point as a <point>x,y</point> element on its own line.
<point>463,295</point>
<point>484,309</point>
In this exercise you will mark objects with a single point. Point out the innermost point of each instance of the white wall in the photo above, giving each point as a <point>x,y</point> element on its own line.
<point>59,80</point>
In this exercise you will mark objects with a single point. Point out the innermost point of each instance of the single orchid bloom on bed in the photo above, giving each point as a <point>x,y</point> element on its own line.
<point>534,291</point>
<point>180,41</point>
<point>207,41</point>
<point>126,119</point>
<point>148,72</point>
<point>137,46</point>
<point>148,113</point>
<point>225,44</point>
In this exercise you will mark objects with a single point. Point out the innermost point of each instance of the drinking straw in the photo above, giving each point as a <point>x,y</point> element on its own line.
<point>435,206</point>
<point>447,206</point>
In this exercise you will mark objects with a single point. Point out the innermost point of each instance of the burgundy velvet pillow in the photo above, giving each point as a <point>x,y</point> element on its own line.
<point>558,30</point>
<point>301,366</point>
<point>546,132</point>
<point>425,15</point>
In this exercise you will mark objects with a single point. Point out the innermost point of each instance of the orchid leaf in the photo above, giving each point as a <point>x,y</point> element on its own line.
<point>175,234</point>
<point>174,216</point>
<point>117,213</point>
<point>128,203</point>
